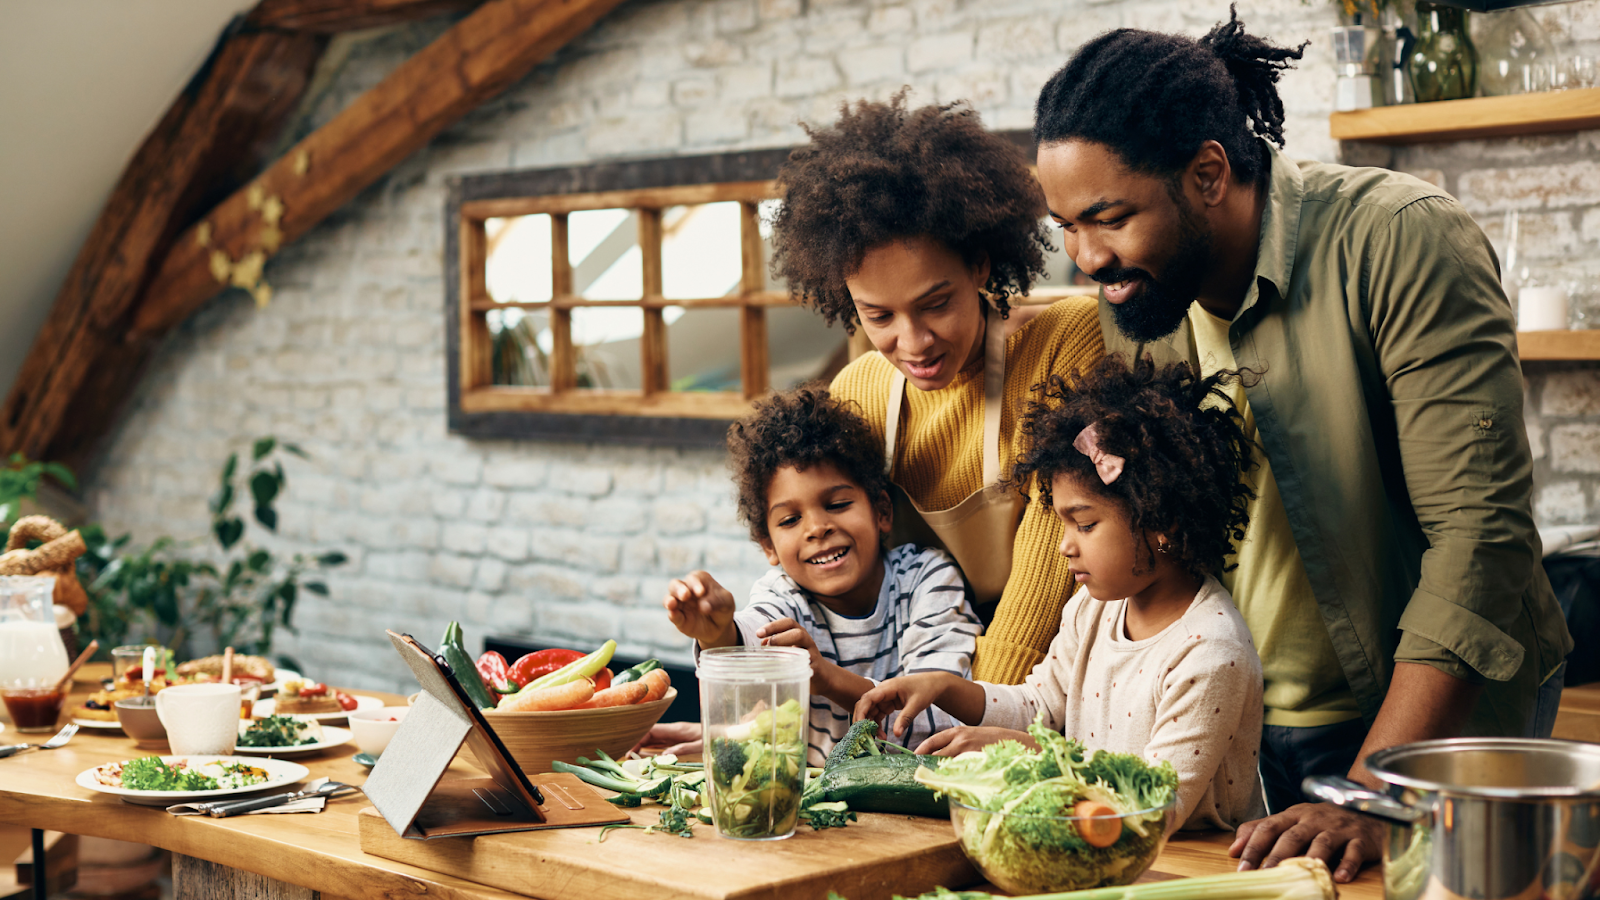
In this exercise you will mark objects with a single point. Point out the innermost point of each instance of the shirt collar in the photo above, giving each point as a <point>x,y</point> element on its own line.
<point>1280,227</point>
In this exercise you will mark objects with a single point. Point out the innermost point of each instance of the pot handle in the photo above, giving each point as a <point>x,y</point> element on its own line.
<point>1345,793</point>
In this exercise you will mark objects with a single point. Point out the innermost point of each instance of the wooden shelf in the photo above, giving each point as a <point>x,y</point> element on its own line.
<point>1558,346</point>
<point>1478,117</point>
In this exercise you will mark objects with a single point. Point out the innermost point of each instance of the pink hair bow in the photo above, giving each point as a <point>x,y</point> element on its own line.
<point>1108,465</point>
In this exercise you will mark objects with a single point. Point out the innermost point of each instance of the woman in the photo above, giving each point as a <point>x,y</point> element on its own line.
<point>916,225</point>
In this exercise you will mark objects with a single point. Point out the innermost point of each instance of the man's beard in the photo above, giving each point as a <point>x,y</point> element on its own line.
<point>1161,306</point>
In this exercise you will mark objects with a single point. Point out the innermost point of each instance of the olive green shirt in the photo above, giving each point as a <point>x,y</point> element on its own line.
<point>1390,406</point>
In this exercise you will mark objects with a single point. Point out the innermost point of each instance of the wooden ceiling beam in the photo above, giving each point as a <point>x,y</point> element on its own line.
<point>477,58</point>
<point>213,135</point>
<point>335,16</point>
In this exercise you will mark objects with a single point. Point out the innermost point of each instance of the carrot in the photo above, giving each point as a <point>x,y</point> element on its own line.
<point>658,681</point>
<point>625,694</point>
<point>562,696</point>
<point>1105,826</point>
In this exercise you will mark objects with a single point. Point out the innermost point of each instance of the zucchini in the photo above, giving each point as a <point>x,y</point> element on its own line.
<point>881,784</point>
<point>466,671</point>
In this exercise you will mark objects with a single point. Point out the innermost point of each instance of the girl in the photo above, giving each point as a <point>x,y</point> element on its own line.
<point>1142,466</point>
<point>919,226</point>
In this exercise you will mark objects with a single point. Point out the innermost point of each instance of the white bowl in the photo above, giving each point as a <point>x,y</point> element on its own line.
<point>374,728</point>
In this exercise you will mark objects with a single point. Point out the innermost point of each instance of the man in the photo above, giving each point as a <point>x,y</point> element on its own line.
<point>1390,574</point>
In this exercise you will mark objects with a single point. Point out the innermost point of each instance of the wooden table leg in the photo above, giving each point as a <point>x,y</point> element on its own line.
<point>197,879</point>
<point>41,868</point>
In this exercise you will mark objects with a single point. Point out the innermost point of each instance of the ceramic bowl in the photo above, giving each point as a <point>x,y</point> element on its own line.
<point>536,739</point>
<point>373,729</point>
<point>137,716</point>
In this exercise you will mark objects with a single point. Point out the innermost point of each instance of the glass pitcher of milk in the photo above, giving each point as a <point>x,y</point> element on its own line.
<point>30,644</point>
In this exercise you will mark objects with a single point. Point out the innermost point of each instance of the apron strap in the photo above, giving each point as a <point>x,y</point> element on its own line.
<point>994,385</point>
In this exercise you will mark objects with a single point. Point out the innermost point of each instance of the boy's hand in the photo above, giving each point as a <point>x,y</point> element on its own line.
<point>911,694</point>
<point>787,632</point>
<point>960,739</point>
<point>701,609</point>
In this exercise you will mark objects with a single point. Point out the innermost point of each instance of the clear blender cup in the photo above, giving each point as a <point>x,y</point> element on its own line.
<point>755,710</point>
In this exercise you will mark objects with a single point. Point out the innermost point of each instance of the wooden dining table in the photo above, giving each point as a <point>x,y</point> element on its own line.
<point>302,856</point>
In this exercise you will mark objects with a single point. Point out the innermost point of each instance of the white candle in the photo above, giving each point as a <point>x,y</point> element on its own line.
<point>1542,309</point>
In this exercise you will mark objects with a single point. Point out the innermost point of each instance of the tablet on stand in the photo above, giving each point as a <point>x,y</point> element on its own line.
<point>409,788</point>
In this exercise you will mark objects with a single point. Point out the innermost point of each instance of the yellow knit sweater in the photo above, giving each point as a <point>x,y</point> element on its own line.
<point>939,463</point>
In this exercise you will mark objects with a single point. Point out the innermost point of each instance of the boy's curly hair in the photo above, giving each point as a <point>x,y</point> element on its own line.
<point>884,172</point>
<point>1184,454</point>
<point>801,428</point>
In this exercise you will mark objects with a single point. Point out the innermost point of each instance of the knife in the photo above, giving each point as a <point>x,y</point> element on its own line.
<point>219,809</point>
<point>13,749</point>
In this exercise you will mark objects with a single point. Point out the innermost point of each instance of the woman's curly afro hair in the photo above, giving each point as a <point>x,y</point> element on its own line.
<point>1184,449</point>
<point>801,428</point>
<point>883,172</point>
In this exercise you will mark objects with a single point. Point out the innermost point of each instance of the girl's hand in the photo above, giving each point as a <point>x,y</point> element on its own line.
<point>701,609</point>
<point>911,694</point>
<point>962,738</point>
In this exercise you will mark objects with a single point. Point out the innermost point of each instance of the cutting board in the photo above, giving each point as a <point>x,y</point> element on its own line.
<point>871,859</point>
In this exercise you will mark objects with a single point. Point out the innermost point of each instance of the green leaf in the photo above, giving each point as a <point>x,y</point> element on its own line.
<point>268,517</point>
<point>230,467</point>
<point>316,587</point>
<point>333,558</point>
<point>262,447</point>
<point>228,531</point>
<point>259,560</point>
<point>222,500</point>
<point>62,474</point>
<point>289,594</point>
<point>264,487</point>
<point>297,451</point>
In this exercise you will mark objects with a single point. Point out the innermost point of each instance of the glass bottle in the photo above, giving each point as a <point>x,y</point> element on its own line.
<point>756,712</point>
<point>1511,42</point>
<point>1443,64</point>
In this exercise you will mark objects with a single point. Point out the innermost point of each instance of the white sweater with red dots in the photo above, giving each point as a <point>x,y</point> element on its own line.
<point>1190,695</point>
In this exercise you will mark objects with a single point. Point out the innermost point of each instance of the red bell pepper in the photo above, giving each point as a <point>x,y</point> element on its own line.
<point>541,662</point>
<point>492,666</point>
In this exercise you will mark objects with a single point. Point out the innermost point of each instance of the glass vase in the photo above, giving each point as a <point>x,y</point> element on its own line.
<point>1443,64</point>
<point>1510,42</point>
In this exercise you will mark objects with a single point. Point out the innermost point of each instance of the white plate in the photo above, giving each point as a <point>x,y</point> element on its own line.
<point>97,724</point>
<point>331,737</point>
<point>264,708</point>
<point>279,677</point>
<point>279,773</point>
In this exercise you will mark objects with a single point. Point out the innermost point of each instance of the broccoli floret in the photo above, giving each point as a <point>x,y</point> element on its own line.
<point>859,741</point>
<point>728,760</point>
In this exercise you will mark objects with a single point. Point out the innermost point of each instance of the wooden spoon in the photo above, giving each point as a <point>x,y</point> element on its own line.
<point>83,657</point>
<point>227,666</point>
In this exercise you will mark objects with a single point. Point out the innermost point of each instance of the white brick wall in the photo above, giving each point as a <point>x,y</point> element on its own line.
<point>574,543</point>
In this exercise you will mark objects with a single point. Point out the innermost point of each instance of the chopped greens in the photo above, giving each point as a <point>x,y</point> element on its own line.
<point>276,731</point>
<point>149,773</point>
<point>757,773</point>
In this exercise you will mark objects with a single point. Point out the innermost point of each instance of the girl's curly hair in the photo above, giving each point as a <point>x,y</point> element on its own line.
<point>1182,441</point>
<point>801,428</point>
<point>884,172</point>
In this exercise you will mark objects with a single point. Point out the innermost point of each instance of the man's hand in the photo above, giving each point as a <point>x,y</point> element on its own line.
<point>1344,840</point>
<point>962,738</point>
<point>701,609</point>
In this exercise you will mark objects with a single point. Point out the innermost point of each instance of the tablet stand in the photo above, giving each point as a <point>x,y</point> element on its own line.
<point>409,789</point>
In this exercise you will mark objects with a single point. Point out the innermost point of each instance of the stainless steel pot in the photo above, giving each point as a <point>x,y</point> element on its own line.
<point>1483,818</point>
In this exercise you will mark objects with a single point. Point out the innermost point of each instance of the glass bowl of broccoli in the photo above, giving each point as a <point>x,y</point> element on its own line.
<point>1050,839</point>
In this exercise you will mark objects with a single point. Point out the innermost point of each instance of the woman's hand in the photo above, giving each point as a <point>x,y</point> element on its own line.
<point>701,609</point>
<point>962,738</point>
<point>676,738</point>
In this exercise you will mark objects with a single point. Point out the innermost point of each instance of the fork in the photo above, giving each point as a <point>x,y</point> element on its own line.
<point>62,736</point>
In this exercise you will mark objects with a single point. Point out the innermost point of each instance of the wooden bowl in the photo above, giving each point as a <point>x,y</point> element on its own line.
<point>535,739</point>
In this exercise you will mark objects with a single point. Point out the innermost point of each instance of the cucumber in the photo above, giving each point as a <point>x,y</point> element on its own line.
<point>881,784</point>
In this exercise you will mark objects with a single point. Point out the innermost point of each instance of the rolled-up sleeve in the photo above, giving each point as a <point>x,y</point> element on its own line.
<point>1446,342</point>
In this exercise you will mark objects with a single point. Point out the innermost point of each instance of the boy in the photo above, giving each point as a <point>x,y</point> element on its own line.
<point>813,491</point>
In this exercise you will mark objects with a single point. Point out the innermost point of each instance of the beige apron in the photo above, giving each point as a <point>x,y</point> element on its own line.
<point>980,530</point>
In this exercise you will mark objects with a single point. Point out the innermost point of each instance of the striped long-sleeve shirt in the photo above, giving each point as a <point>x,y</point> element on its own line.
<point>923,622</point>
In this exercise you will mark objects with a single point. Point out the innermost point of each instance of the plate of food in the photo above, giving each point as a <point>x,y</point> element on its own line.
<point>247,670</point>
<point>165,780</point>
<point>287,736</point>
<point>97,724</point>
<point>313,699</point>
